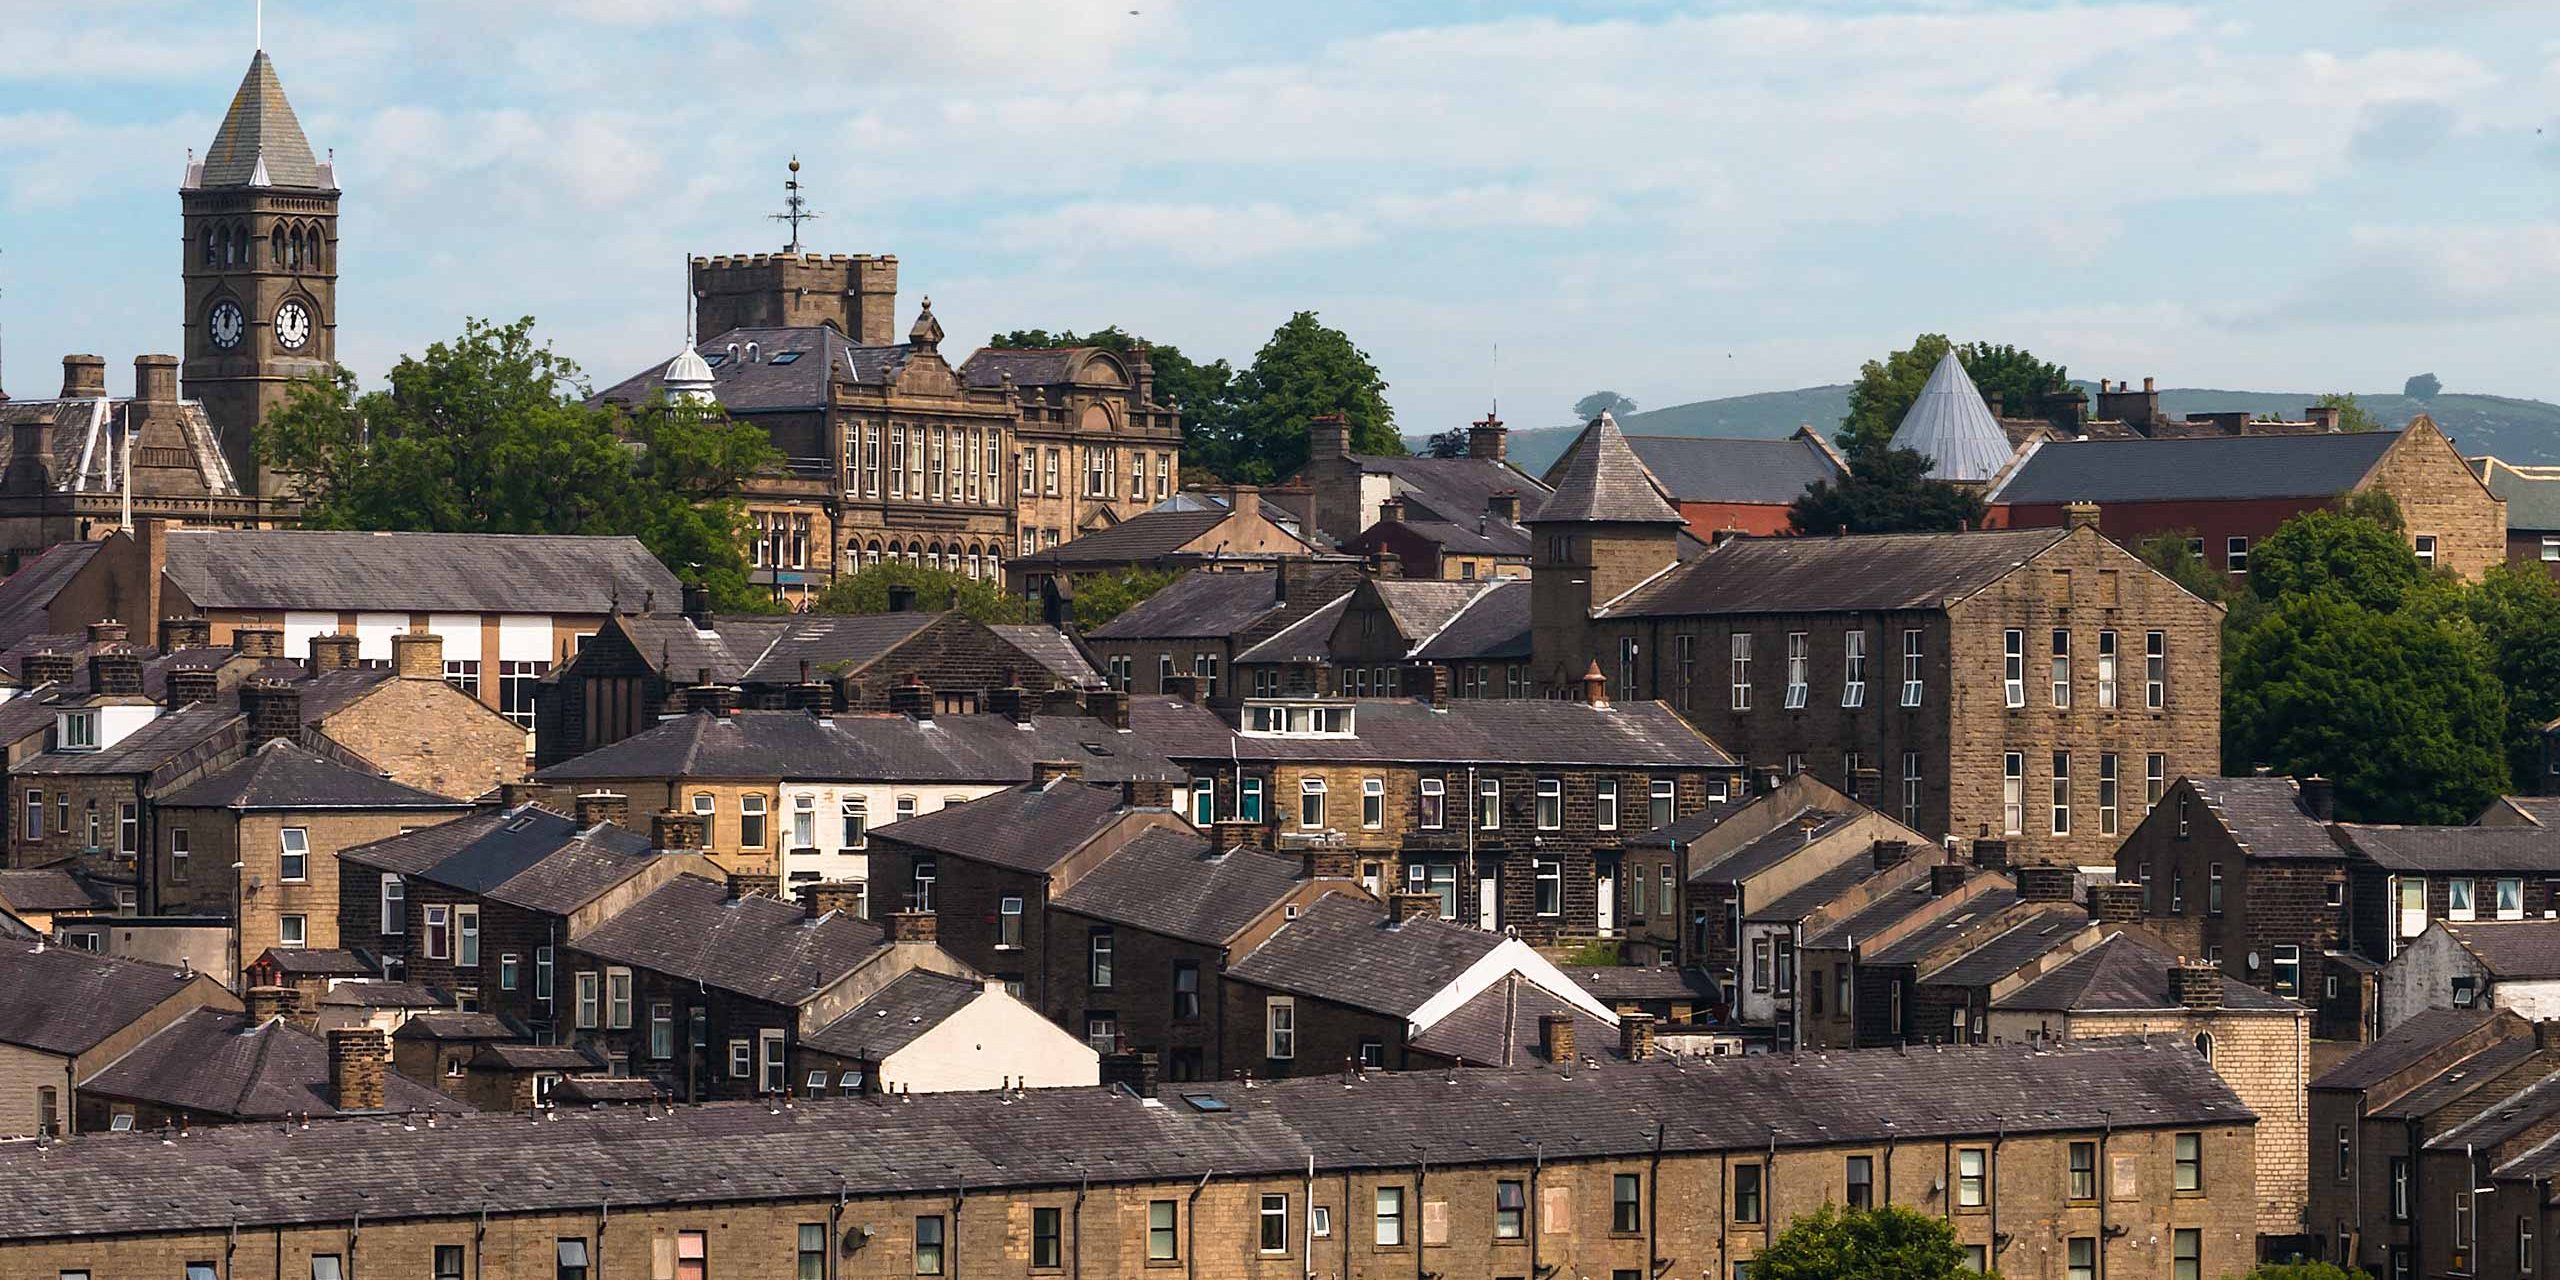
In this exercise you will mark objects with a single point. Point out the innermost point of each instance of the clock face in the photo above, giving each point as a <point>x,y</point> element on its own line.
<point>226,325</point>
<point>293,326</point>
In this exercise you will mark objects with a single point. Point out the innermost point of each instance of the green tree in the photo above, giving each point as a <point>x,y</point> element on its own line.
<point>1886,492</point>
<point>1204,392</point>
<point>2304,1271</point>
<point>2355,557</point>
<point>2518,612</point>
<point>2422,388</point>
<point>1891,1243</point>
<point>2352,415</point>
<point>491,433</point>
<point>1451,443</point>
<point>1306,369</point>
<point>1886,388</point>
<point>1103,597</point>
<point>935,589</point>
<point>2402,709</point>
<point>1600,402</point>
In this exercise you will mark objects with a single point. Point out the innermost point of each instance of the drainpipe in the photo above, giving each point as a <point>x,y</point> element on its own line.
<point>835,1226</point>
<point>1537,1170</point>
<point>604,1214</point>
<point>1421,1179</point>
<point>479,1240</point>
<point>230,1246</point>
<point>1999,1136</point>
<point>2417,1220</point>
<point>1191,1225</point>
<point>1653,1207</point>
<point>1769,1194</point>
<point>951,1242</point>
<point>1888,1164</point>
<point>1343,1232</point>
<point>1307,1221</point>
<point>355,1229</point>
<point>1082,1184</point>
<point>2106,1132</point>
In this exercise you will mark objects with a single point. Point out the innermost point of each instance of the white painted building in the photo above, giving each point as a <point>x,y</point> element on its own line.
<point>2496,964</point>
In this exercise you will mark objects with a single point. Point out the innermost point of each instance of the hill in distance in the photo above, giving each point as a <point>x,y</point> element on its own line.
<point>2521,431</point>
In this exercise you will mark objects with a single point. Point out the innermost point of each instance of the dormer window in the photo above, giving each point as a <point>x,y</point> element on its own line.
<point>1297,720</point>
<point>79,731</point>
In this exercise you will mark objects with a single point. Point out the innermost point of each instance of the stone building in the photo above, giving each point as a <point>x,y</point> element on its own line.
<point>2489,964</point>
<point>1198,625</point>
<point>2040,686</point>
<point>65,1015</point>
<point>2225,494</point>
<point>84,464</point>
<point>1393,636</point>
<point>2064,1160</point>
<point>1459,514</point>
<point>1230,528</point>
<point>2532,496</point>
<point>222,1066</point>
<point>1724,485</point>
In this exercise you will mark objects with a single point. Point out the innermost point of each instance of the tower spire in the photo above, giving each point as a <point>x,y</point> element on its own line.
<point>795,208</point>
<point>262,24</point>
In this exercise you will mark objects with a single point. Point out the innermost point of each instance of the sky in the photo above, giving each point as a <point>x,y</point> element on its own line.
<point>1499,202</point>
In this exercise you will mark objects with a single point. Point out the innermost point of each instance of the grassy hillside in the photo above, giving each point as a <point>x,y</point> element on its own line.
<point>2525,431</point>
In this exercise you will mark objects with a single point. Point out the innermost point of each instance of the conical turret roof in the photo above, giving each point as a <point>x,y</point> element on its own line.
<point>688,378</point>
<point>1951,424</point>
<point>1603,483</point>
<point>260,143</point>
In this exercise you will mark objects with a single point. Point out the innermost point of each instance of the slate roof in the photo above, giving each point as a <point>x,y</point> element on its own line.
<point>86,447</point>
<point>834,643</point>
<point>528,857</point>
<point>681,651</point>
<point>2123,973</point>
<point>1028,828</point>
<point>1637,982</point>
<point>821,356</point>
<point>2195,469</point>
<point>1716,469</point>
<point>321,962</point>
<point>1502,1027</point>
<point>2532,498</point>
<point>1309,639</point>
<point>868,746</point>
<point>894,1017</point>
<point>260,143</point>
<point>311,569</point>
<point>763,948</point>
<point>1603,483</point>
<point>1342,948</point>
<point>1955,922</point>
<point>49,890</point>
<point>187,729</point>
<point>2265,816</point>
<point>1420,607</point>
<point>2402,1046</point>
<point>2426,1097</point>
<point>1056,653</point>
<point>1200,604</point>
<point>28,594</point>
<point>2455,849</point>
<point>2510,948</point>
<point>2503,1120</point>
<point>64,1001</point>
<point>1893,908</point>
<point>1493,626</point>
<point>1467,537</point>
<point>1821,891</point>
<point>1779,844</point>
<point>449,1025</point>
<point>2005,952</point>
<point>1465,731</point>
<point>1861,573</point>
<point>2540,811</point>
<point>509,1056</point>
<point>282,775</point>
<point>1951,425</point>
<point>606,1089</point>
<point>1172,883</point>
<point>713,1154</point>
<point>1454,490</point>
<point>217,1062</point>
<point>1141,539</point>
<point>383,995</point>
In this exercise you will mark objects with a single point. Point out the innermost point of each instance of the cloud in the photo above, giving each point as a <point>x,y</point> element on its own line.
<point>2400,132</point>
<point>2406,275</point>
<point>1200,235</point>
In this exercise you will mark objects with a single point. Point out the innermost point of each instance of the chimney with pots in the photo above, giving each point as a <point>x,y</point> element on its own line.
<point>1947,877</point>
<point>116,672</point>
<point>1328,437</point>
<point>596,808</point>
<point>1488,439</point>
<point>753,884</point>
<point>1047,773</point>
<point>2320,798</point>
<point>2045,883</point>
<point>332,653</point>
<point>185,633</point>
<point>671,830</point>
<point>358,1057</point>
<point>913,699</point>
<point>258,642</point>
<point>1391,511</point>
<point>1109,706</point>
<point>915,926</point>
<point>108,632</point>
<point>266,1004</point>
<point>696,601</point>
<point>273,709</point>
<point>2195,984</point>
<point>2116,903</point>
<point>843,897</point>
<point>718,699</point>
<point>1555,1037</point>
<point>1412,906</point>
<point>1635,1036</point>
<point>2324,416</point>
<point>2080,515</point>
<point>188,686</point>
<point>1991,855</point>
<point>84,377</point>
<point>1134,1070</point>
<point>1890,853</point>
<point>418,656</point>
<point>1013,702</point>
<point>1146,793</point>
<point>46,667</point>
<point>1227,837</point>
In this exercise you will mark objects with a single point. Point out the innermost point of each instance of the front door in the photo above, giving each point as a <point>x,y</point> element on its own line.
<point>1608,899</point>
<point>1488,893</point>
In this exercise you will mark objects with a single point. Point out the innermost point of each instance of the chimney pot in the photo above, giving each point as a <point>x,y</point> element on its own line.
<point>258,642</point>
<point>266,1004</point>
<point>333,653</point>
<point>116,671</point>
<point>1635,1036</point>
<point>357,1058</point>
<point>2080,515</point>
<point>185,633</point>
<point>2320,798</point>
<point>155,380</point>
<point>597,808</point>
<point>188,686</point>
<point>84,377</point>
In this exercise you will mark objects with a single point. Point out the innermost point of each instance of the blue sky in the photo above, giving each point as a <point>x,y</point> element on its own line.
<point>1674,200</point>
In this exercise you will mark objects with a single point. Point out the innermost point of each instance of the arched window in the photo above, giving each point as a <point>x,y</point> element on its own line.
<point>212,255</point>
<point>240,244</point>
<point>277,254</point>
<point>972,570</point>
<point>312,240</point>
<point>2204,1047</point>
<point>871,553</point>
<point>755,353</point>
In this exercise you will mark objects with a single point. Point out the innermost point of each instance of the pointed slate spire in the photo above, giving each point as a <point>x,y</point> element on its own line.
<point>1951,424</point>
<point>260,143</point>
<point>1603,483</point>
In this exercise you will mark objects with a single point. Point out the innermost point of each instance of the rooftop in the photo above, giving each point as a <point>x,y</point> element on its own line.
<point>1715,469</point>
<point>1027,828</point>
<point>864,746</point>
<point>1175,883</point>
<point>323,570</point>
<point>2510,948</point>
<point>1528,731</point>
<point>762,948</point>
<point>1344,949</point>
<point>2428,849</point>
<point>2194,469</point>
<point>1950,424</point>
<point>2403,1046</point>
<point>2265,817</point>
<point>217,1062</point>
<point>283,775</point>
<point>1601,482</point>
<point>893,1018</point>
<point>2123,973</point>
<point>63,1001</point>
<point>1858,574</point>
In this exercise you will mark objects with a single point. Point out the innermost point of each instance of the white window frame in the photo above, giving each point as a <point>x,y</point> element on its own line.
<point>617,999</point>
<point>1604,804</point>
<point>1741,670</point>
<point>2107,798</point>
<point>2013,668</point>
<point>1311,804</point>
<point>1913,682</point>
<point>1550,804</point>
<point>1434,805</point>
<point>1799,668</point>
<point>2235,554</point>
<point>2107,670</point>
<point>2461,901</point>
<point>2508,889</point>
<point>293,865</point>
<point>293,931</point>
<point>2425,546</point>
<point>1488,804</point>
<point>437,925</point>
<point>2013,793</point>
<point>466,937</point>
<point>1547,876</point>
<point>1373,803</point>
<point>1853,669</point>
<point>1662,799</point>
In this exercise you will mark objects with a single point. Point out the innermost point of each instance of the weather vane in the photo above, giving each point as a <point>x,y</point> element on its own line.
<point>795,207</point>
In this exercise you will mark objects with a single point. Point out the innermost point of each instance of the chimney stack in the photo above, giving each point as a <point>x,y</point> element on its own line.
<point>109,631</point>
<point>1321,861</point>
<point>2080,515</point>
<point>2045,883</point>
<point>914,700</point>
<point>45,667</point>
<point>418,656</point>
<point>1555,1037</point>
<point>673,830</point>
<point>258,642</point>
<point>116,672</point>
<point>1947,877</point>
<point>155,380</point>
<point>332,653</point>
<point>1412,906</point>
<point>1109,706</point>
<point>1890,853</point>
<point>843,898</point>
<point>1186,687</point>
<point>1991,855</point>
<point>2116,903</point>
<point>357,1058</point>
<point>273,709</point>
<point>718,699</point>
<point>1867,787</point>
<point>2195,984</point>
<point>596,808</point>
<point>266,1004</point>
<point>1328,437</point>
<point>1635,1036</point>
<point>915,926</point>
<point>1227,837</point>
<point>1046,773</point>
<point>84,377</point>
<point>1391,511</point>
<point>1146,793</point>
<point>1134,1070</point>
<point>752,884</point>
<point>1489,439</point>
<point>2320,798</point>
<point>696,600</point>
<point>185,633</point>
<point>188,686</point>
<point>1504,506</point>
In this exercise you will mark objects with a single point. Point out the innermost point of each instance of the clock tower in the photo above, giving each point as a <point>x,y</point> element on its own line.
<point>261,268</point>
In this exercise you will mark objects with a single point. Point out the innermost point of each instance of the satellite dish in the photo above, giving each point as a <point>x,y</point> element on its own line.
<point>2253,962</point>
<point>855,1237</point>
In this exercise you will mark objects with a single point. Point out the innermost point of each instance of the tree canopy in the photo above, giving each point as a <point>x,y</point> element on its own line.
<point>1600,402</point>
<point>2304,1271</point>
<point>1451,443</point>
<point>2352,415</point>
<point>1886,388</point>
<point>2425,386</point>
<point>935,589</point>
<point>1203,392</point>
<point>2517,609</point>
<point>1887,491</point>
<point>2361,559</point>
<point>1105,596</point>
<point>1891,1243</point>
<point>491,433</point>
